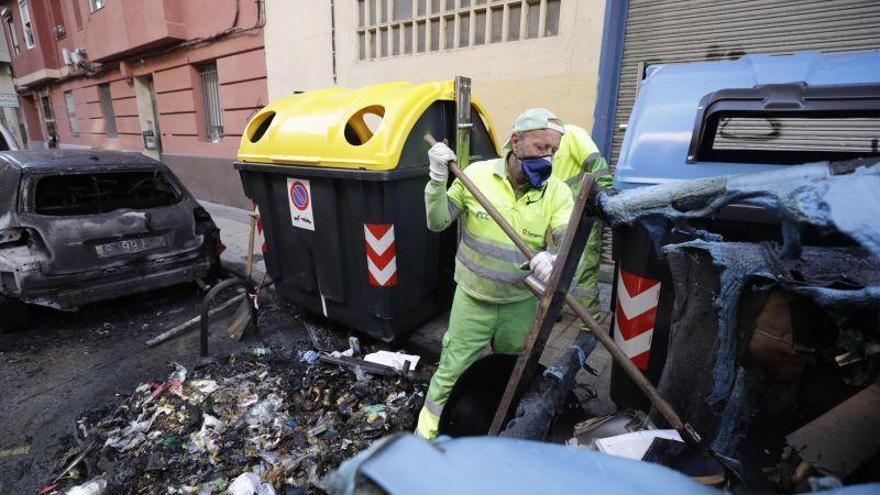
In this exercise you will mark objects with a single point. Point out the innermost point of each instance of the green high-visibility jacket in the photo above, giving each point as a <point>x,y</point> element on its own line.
<point>576,155</point>
<point>487,266</point>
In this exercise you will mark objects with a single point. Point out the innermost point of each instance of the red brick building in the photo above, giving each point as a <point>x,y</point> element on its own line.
<point>170,78</point>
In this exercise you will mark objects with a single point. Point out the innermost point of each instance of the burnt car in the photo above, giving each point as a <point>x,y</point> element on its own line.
<point>79,226</point>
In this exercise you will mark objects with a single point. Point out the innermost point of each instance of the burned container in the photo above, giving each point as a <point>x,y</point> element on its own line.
<point>338,176</point>
<point>760,113</point>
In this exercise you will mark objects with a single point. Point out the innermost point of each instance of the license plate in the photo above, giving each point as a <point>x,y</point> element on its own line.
<point>129,246</point>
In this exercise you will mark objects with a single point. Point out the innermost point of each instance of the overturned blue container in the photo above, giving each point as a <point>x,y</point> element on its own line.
<point>708,119</point>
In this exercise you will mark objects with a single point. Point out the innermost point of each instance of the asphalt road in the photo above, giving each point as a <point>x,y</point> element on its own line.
<point>71,363</point>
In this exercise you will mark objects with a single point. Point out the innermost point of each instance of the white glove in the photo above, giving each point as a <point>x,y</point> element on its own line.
<point>542,265</point>
<point>438,157</point>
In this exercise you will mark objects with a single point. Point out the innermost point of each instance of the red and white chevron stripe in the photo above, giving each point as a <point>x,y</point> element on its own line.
<point>634,317</point>
<point>381,254</point>
<point>260,238</point>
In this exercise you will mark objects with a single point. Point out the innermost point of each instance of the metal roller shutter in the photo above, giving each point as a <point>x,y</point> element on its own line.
<point>665,31</point>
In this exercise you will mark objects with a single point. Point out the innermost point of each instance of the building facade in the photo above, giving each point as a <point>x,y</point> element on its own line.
<point>172,79</point>
<point>519,53</point>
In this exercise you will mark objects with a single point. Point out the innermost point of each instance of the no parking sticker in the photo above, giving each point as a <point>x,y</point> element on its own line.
<point>299,194</point>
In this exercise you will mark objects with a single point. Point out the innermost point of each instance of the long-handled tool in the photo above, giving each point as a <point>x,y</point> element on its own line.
<point>663,407</point>
<point>242,318</point>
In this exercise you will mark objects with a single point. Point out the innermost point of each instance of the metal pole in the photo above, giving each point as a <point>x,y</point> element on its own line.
<point>463,124</point>
<point>249,268</point>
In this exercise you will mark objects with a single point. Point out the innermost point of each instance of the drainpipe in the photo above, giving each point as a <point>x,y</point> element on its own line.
<point>546,398</point>
<point>333,37</point>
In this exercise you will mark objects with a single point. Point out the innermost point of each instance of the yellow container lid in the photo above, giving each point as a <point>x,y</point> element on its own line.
<point>363,128</point>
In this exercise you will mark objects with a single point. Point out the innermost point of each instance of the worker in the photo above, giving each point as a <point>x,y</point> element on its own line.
<point>577,155</point>
<point>492,305</point>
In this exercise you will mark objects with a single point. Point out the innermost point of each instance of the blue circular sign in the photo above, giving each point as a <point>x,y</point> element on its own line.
<point>299,195</point>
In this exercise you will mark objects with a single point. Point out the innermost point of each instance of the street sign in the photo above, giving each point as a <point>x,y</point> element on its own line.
<point>8,100</point>
<point>300,195</point>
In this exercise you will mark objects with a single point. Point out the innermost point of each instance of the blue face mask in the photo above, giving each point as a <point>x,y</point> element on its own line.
<point>537,169</point>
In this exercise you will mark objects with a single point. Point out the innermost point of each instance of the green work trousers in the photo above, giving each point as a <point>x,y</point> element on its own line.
<point>473,325</point>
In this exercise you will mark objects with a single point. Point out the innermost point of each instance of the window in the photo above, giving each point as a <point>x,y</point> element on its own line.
<point>57,20</point>
<point>71,113</point>
<point>514,13</point>
<point>420,36</point>
<point>49,119</point>
<point>95,5</point>
<point>551,24</point>
<point>479,27</point>
<point>107,106</point>
<point>408,37</point>
<point>402,9</point>
<point>77,15</point>
<point>434,25</point>
<point>449,32</point>
<point>435,35</point>
<point>533,18</point>
<point>13,36</point>
<point>497,20</point>
<point>211,99</point>
<point>464,29</point>
<point>26,25</point>
<point>395,40</point>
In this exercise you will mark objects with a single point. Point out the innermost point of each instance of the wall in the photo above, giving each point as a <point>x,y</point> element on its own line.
<point>559,72</point>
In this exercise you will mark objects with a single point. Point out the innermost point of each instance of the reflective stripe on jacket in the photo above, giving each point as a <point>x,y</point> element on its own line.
<point>487,266</point>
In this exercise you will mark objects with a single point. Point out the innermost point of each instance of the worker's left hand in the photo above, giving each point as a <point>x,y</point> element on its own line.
<point>542,265</point>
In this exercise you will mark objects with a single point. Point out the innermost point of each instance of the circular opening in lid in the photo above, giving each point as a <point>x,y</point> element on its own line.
<point>361,127</point>
<point>260,125</point>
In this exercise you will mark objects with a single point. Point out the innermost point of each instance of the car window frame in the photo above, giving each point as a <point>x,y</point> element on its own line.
<point>28,185</point>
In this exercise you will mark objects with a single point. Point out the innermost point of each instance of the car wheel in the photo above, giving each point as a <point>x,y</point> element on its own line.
<point>14,314</point>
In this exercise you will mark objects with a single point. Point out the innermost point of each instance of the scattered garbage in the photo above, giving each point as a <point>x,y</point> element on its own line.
<point>252,423</point>
<point>632,435</point>
<point>94,487</point>
<point>622,422</point>
<point>260,351</point>
<point>310,357</point>
<point>250,484</point>
<point>633,445</point>
<point>358,366</point>
<point>346,353</point>
<point>396,360</point>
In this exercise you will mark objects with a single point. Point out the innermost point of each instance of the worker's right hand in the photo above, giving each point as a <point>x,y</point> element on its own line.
<point>438,157</point>
<point>542,265</point>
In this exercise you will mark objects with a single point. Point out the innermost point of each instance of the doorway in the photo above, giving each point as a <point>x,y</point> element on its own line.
<point>148,116</point>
